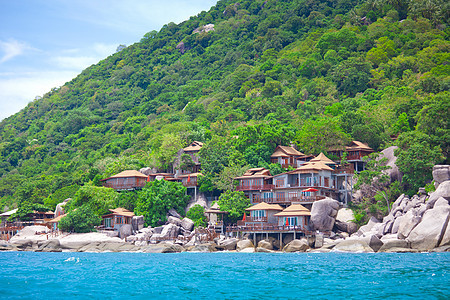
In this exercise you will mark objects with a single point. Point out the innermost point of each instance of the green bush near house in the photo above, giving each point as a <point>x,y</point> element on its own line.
<point>81,220</point>
<point>197,214</point>
<point>234,203</point>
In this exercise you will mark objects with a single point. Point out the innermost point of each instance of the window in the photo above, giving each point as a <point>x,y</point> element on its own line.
<point>280,182</point>
<point>290,221</point>
<point>258,214</point>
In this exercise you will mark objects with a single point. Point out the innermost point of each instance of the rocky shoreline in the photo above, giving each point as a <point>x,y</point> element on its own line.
<point>417,224</point>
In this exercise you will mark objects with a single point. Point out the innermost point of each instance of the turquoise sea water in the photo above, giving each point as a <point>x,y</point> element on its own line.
<point>29,275</point>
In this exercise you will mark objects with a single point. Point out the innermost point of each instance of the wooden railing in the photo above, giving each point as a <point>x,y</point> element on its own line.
<point>255,219</point>
<point>345,170</point>
<point>266,227</point>
<point>124,186</point>
<point>287,200</point>
<point>190,183</point>
<point>254,187</point>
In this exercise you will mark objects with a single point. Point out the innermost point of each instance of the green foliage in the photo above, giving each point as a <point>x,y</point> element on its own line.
<point>26,208</point>
<point>197,214</point>
<point>80,220</point>
<point>157,198</point>
<point>97,199</point>
<point>60,195</point>
<point>415,159</point>
<point>234,203</point>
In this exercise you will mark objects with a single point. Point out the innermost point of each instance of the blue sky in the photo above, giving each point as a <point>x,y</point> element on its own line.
<point>45,43</point>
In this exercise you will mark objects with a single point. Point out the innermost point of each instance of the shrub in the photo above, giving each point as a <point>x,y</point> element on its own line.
<point>80,220</point>
<point>197,214</point>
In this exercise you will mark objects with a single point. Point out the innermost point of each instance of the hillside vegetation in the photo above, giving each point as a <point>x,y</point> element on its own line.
<point>315,73</point>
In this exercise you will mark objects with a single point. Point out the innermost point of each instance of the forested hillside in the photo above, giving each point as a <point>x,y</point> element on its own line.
<point>316,73</point>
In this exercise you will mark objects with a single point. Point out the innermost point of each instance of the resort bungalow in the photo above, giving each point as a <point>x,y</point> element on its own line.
<point>355,153</point>
<point>286,156</point>
<point>192,150</point>
<point>126,180</point>
<point>215,217</point>
<point>262,213</point>
<point>254,182</point>
<point>294,215</point>
<point>55,222</point>
<point>117,218</point>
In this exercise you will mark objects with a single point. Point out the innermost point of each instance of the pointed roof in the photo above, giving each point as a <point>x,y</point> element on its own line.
<point>255,173</point>
<point>322,158</point>
<point>294,210</point>
<point>265,206</point>
<point>122,212</point>
<point>191,175</point>
<point>286,151</point>
<point>357,145</point>
<point>313,166</point>
<point>215,209</point>
<point>194,146</point>
<point>8,213</point>
<point>127,173</point>
<point>57,219</point>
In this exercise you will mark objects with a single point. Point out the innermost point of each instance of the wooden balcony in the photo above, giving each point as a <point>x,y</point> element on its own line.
<point>190,183</point>
<point>254,187</point>
<point>288,200</point>
<point>124,186</point>
<point>345,170</point>
<point>256,219</point>
<point>266,227</point>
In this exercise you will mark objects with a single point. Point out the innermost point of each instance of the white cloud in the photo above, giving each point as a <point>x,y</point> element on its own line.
<point>16,92</point>
<point>79,59</point>
<point>11,49</point>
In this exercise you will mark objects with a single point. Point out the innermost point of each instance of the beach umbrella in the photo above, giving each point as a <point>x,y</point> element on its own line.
<point>243,218</point>
<point>287,221</point>
<point>310,190</point>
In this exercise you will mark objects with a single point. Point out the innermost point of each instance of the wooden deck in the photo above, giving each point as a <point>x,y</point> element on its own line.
<point>288,200</point>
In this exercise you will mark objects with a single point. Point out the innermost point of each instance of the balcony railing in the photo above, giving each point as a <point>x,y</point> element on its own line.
<point>124,186</point>
<point>266,227</point>
<point>288,200</point>
<point>190,183</point>
<point>254,187</point>
<point>345,170</point>
<point>256,219</point>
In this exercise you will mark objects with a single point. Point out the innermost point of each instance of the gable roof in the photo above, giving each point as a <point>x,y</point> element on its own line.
<point>255,173</point>
<point>265,206</point>
<point>122,212</point>
<point>194,146</point>
<point>294,210</point>
<point>313,166</point>
<point>322,158</point>
<point>286,151</point>
<point>190,175</point>
<point>127,173</point>
<point>8,213</point>
<point>357,145</point>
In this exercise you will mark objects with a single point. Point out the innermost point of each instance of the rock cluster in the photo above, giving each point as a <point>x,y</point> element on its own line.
<point>418,223</point>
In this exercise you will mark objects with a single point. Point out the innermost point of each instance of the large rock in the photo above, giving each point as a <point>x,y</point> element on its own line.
<point>393,171</point>
<point>163,248</point>
<point>187,224</point>
<point>174,220</point>
<point>443,190</point>
<point>392,244</point>
<point>5,246</point>
<point>407,222</point>
<point>208,247</point>
<point>174,213</point>
<point>374,242</point>
<point>50,246</point>
<point>352,246</point>
<point>430,232</point>
<point>368,227</point>
<point>170,230</point>
<point>441,173</point>
<point>137,223</point>
<point>348,227</point>
<point>229,244</point>
<point>265,244</point>
<point>323,214</point>
<point>59,210</point>
<point>296,246</point>
<point>242,244</point>
<point>125,231</point>
<point>345,215</point>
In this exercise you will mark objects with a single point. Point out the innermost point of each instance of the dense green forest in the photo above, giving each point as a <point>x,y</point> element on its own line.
<point>313,72</point>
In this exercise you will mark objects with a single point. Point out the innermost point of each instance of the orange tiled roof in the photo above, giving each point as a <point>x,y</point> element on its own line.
<point>286,151</point>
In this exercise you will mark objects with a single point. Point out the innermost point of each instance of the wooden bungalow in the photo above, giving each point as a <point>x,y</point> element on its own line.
<point>355,153</point>
<point>126,180</point>
<point>263,213</point>
<point>254,182</point>
<point>190,180</point>
<point>294,215</point>
<point>117,218</point>
<point>192,150</point>
<point>215,215</point>
<point>286,156</point>
<point>55,222</point>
